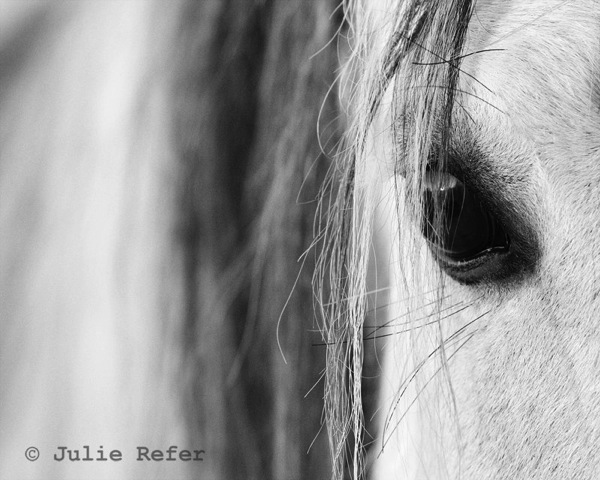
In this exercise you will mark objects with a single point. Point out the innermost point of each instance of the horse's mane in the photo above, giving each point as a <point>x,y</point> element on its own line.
<point>402,74</point>
<point>251,91</point>
<point>215,174</point>
<point>202,213</point>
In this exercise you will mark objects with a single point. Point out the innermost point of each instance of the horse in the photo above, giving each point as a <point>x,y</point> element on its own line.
<point>223,220</point>
<point>462,242</point>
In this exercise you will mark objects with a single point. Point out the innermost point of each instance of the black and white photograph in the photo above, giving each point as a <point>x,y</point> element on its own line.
<point>299,240</point>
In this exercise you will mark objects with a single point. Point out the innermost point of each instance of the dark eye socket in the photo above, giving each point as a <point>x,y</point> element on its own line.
<point>460,229</point>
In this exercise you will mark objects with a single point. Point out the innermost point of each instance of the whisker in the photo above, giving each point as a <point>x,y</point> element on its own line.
<point>416,327</point>
<point>384,442</point>
<point>404,386</point>
<point>460,57</point>
<point>409,312</point>
<point>472,77</point>
<point>531,22</point>
<point>421,318</point>
<point>421,364</point>
<point>404,300</point>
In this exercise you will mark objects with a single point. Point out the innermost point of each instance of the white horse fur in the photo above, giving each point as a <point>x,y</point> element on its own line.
<point>489,380</point>
<point>515,395</point>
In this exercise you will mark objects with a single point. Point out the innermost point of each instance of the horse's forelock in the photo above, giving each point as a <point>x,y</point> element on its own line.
<point>404,69</point>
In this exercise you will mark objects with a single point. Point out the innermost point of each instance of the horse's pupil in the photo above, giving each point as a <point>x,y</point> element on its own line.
<point>456,224</point>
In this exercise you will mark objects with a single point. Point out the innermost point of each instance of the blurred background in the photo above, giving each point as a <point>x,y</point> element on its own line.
<point>160,169</point>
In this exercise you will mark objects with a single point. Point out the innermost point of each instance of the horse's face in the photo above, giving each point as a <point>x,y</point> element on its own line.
<point>518,395</point>
<point>530,387</point>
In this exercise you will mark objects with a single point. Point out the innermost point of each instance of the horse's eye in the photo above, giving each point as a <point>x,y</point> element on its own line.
<point>458,226</point>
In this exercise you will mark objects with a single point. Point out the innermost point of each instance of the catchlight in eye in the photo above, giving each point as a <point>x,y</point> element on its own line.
<point>457,225</point>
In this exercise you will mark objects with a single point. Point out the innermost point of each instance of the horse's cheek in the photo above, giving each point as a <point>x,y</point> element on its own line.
<point>527,390</point>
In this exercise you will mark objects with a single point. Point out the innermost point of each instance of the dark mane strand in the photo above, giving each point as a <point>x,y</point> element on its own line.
<point>250,91</point>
